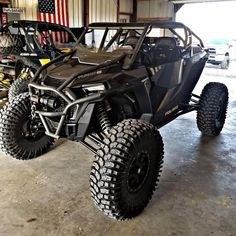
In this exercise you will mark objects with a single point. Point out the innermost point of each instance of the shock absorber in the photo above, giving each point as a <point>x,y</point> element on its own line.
<point>103,118</point>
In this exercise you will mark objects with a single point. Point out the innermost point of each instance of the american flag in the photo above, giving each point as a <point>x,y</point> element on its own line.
<point>55,11</point>
<point>47,6</point>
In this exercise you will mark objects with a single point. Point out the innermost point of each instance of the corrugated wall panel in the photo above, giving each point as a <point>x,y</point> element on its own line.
<point>103,10</point>
<point>100,10</point>
<point>126,6</point>
<point>76,11</point>
<point>30,8</point>
<point>155,9</point>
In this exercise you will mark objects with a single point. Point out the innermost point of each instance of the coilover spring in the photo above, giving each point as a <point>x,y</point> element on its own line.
<point>103,118</point>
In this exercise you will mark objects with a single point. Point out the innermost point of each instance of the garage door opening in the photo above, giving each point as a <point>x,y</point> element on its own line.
<point>213,22</point>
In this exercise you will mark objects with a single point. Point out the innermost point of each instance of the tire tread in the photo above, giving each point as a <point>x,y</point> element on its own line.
<point>111,158</point>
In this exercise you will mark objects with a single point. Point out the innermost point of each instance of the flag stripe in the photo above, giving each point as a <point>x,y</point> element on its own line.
<point>54,21</point>
<point>61,16</point>
<point>67,19</point>
<point>67,14</point>
<point>57,21</point>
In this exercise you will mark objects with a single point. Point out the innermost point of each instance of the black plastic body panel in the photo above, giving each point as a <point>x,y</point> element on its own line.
<point>176,90</point>
<point>156,92</point>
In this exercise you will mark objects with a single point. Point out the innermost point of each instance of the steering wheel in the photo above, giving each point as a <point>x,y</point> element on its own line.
<point>145,51</point>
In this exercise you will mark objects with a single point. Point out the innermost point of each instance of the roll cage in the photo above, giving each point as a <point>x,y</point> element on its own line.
<point>170,25</point>
<point>123,30</point>
<point>29,30</point>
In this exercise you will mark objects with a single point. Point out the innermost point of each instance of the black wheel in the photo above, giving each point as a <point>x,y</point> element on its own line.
<point>126,170</point>
<point>21,136</point>
<point>212,109</point>
<point>20,85</point>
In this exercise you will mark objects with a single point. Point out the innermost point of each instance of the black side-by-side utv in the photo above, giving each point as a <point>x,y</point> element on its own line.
<point>112,93</point>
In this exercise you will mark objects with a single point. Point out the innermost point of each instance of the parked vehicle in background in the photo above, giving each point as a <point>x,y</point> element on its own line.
<point>24,47</point>
<point>219,52</point>
<point>233,50</point>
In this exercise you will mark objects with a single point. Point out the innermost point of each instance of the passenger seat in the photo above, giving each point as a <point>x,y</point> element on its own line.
<point>166,50</point>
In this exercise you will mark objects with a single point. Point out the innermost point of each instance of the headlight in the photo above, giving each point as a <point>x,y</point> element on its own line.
<point>94,87</point>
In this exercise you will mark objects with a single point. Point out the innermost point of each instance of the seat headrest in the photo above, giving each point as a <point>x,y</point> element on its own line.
<point>166,42</point>
<point>131,40</point>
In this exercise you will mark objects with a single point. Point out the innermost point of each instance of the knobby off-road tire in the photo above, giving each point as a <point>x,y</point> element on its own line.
<point>20,85</point>
<point>20,136</point>
<point>212,109</point>
<point>126,169</point>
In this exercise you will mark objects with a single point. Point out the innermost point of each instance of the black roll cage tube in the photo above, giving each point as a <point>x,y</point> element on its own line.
<point>127,63</point>
<point>129,59</point>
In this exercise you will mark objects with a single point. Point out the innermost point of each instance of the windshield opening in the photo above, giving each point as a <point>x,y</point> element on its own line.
<point>100,45</point>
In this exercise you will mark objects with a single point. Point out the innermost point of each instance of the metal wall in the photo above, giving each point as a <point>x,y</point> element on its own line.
<point>76,13</point>
<point>126,6</point>
<point>30,7</point>
<point>103,10</point>
<point>155,9</point>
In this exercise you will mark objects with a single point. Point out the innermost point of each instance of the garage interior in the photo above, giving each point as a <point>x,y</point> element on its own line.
<point>196,194</point>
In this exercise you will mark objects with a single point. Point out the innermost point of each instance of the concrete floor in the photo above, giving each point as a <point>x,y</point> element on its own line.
<point>196,196</point>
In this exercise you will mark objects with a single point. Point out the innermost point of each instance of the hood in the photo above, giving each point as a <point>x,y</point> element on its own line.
<point>66,70</point>
<point>77,73</point>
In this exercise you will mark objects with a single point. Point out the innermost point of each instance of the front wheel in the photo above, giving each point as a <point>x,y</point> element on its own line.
<point>126,170</point>
<point>212,109</point>
<point>21,136</point>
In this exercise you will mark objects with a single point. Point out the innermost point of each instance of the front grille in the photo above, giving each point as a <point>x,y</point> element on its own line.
<point>212,51</point>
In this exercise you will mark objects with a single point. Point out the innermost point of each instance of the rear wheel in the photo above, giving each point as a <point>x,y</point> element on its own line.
<point>126,170</point>
<point>21,136</point>
<point>212,109</point>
